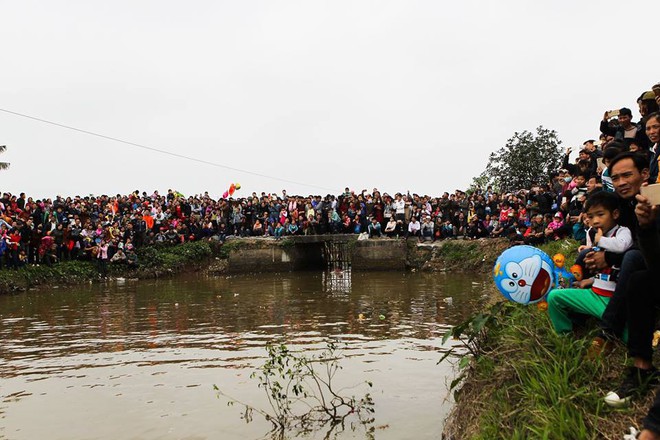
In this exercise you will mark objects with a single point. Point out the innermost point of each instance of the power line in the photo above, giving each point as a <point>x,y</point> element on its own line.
<point>158,150</point>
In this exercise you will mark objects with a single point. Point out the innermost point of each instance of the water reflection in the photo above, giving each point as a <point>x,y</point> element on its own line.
<point>337,281</point>
<point>168,341</point>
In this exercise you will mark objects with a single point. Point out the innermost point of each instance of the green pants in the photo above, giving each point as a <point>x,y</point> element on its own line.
<point>561,302</point>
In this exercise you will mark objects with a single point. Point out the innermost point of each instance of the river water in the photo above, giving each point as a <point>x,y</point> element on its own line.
<point>138,360</point>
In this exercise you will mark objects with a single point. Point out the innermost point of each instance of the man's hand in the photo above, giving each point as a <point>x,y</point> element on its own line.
<point>646,214</point>
<point>606,116</point>
<point>595,260</point>
<point>568,150</point>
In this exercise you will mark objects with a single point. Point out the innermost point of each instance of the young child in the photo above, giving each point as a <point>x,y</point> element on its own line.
<point>593,294</point>
<point>552,232</point>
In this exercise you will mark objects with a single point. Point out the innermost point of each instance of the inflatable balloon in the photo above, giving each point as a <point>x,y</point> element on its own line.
<point>576,271</point>
<point>559,260</point>
<point>563,278</point>
<point>225,195</point>
<point>232,188</point>
<point>523,274</point>
<point>238,186</point>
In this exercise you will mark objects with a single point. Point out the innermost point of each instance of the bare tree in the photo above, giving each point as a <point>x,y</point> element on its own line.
<point>3,165</point>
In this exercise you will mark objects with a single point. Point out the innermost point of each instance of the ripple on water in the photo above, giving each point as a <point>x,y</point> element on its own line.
<point>140,359</point>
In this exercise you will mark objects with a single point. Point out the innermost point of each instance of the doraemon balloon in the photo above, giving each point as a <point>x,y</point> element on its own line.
<point>523,274</point>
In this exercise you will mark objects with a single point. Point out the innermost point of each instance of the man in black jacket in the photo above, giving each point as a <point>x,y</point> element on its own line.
<point>629,171</point>
<point>642,312</point>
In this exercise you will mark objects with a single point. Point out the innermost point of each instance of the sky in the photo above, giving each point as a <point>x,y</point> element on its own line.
<point>308,96</point>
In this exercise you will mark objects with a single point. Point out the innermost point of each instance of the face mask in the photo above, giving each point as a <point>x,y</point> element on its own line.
<point>567,179</point>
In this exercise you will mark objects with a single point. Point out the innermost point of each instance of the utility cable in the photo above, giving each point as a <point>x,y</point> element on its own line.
<point>158,150</point>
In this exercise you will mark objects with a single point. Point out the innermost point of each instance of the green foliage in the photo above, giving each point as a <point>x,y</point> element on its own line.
<point>568,247</point>
<point>32,275</point>
<point>555,393</point>
<point>460,251</point>
<point>301,395</point>
<point>525,160</point>
<point>150,259</point>
<point>470,334</point>
<point>526,381</point>
<point>480,182</point>
<point>228,247</point>
<point>168,256</point>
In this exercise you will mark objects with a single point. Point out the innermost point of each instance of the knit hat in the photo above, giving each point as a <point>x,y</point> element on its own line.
<point>647,96</point>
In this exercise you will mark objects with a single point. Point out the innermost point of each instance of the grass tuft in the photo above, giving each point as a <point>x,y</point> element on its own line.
<point>530,383</point>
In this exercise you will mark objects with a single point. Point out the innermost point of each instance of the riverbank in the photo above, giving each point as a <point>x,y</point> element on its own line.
<point>154,262</point>
<point>527,382</point>
<point>252,255</point>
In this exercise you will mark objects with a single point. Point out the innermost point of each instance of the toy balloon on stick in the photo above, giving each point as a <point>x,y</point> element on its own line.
<point>232,188</point>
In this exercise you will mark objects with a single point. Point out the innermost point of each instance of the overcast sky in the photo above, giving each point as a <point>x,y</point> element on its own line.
<point>394,95</point>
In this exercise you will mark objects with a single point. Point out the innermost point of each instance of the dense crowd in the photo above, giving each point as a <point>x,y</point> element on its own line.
<point>619,261</point>
<point>601,186</point>
<point>108,228</point>
<point>47,231</point>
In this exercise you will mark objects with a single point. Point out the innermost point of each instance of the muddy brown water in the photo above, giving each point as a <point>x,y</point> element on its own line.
<point>138,359</point>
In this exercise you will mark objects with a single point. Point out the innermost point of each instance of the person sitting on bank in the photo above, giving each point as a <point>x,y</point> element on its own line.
<point>427,229</point>
<point>391,228</point>
<point>593,294</point>
<point>118,257</point>
<point>414,227</point>
<point>374,228</point>
<point>131,256</point>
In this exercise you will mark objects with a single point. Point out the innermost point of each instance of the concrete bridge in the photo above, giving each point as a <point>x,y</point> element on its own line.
<point>313,252</point>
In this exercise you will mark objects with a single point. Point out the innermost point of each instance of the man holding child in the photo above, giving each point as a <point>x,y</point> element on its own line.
<point>625,240</point>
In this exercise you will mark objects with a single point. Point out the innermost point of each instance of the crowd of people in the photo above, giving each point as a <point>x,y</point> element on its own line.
<point>45,231</point>
<point>111,227</point>
<point>571,203</point>
<point>620,254</point>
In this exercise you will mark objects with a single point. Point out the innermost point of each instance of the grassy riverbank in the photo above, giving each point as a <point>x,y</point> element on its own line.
<point>527,382</point>
<point>153,262</point>
<point>166,260</point>
<point>455,255</point>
